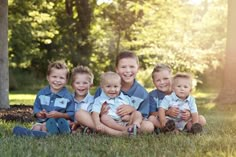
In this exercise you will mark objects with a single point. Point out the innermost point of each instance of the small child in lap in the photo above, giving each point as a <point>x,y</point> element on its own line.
<point>127,66</point>
<point>82,80</point>
<point>181,99</point>
<point>54,103</point>
<point>162,79</point>
<point>113,97</point>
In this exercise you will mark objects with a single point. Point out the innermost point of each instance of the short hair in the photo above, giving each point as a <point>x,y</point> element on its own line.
<point>80,69</point>
<point>160,67</point>
<point>126,54</point>
<point>182,75</point>
<point>110,75</point>
<point>58,65</point>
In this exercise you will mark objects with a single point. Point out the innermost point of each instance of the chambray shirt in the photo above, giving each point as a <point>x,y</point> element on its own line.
<point>155,98</point>
<point>138,96</point>
<point>113,103</point>
<point>85,104</point>
<point>61,102</point>
<point>173,101</point>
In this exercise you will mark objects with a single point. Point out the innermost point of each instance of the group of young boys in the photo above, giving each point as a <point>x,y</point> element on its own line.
<point>120,106</point>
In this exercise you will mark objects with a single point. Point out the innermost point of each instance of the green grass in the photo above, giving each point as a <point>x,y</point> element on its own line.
<point>218,139</point>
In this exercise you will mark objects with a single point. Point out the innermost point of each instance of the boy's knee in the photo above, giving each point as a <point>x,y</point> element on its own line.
<point>202,120</point>
<point>104,118</point>
<point>147,127</point>
<point>152,118</point>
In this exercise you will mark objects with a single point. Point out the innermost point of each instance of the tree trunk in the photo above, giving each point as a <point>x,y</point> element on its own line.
<point>227,94</point>
<point>4,72</point>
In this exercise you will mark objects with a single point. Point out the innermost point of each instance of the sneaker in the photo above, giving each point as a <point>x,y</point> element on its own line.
<point>170,126</point>
<point>88,131</point>
<point>51,126</point>
<point>157,131</point>
<point>63,126</point>
<point>133,130</point>
<point>21,131</point>
<point>196,128</point>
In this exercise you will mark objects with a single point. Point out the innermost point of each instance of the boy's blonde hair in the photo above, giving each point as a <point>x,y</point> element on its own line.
<point>183,75</point>
<point>109,76</point>
<point>126,54</point>
<point>160,67</point>
<point>58,65</point>
<point>80,69</point>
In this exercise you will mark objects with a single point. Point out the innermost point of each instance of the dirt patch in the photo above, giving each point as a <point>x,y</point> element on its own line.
<point>20,113</point>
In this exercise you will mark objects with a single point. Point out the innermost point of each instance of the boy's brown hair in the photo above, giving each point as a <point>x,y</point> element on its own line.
<point>80,69</point>
<point>126,54</point>
<point>160,67</point>
<point>58,65</point>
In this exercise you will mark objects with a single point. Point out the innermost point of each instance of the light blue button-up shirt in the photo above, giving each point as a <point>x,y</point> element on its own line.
<point>85,104</point>
<point>113,103</point>
<point>173,101</point>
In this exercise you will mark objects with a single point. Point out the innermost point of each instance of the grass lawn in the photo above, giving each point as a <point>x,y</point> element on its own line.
<point>217,140</point>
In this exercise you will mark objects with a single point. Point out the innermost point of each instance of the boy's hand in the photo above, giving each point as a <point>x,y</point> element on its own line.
<point>124,110</point>
<point>163,123</point>
<point>104,109</point>
<point>173,111</point>
<point>185,115</point>
<point>53,114</point>
<point>41,114</point>
<point>100,127</point>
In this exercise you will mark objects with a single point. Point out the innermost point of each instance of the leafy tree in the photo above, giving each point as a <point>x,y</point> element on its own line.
<point>4,73</point>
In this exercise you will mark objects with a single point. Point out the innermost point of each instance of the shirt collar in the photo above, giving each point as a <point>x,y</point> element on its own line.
<point>61,93</point>
<point>120,96</point>
<point>85,99</point>
<point>132,89</point>
<point>176,98</point>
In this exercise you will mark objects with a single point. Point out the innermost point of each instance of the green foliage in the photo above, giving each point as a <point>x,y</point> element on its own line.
<point>187,36</point>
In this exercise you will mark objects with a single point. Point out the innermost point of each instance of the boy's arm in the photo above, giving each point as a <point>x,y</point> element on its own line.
<point>162,117</point>
<point>194,118</point>
<point>193,110</point>
<point>96,120</point>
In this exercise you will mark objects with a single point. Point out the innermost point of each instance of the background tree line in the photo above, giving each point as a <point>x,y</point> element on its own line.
<point>186,34</point>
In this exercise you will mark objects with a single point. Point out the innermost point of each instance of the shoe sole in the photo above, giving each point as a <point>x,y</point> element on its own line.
<point>63,126</point>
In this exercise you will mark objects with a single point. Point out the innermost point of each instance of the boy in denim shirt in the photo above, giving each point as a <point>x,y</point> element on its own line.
<point>53,105</point>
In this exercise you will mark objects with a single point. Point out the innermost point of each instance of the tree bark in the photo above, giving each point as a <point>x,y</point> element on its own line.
<point>227,94</point>
<point>4,71</point>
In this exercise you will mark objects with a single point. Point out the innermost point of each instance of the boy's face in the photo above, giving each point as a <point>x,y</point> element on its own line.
<point>81,85</point>
<point>162,81</point>
<point>182,87</point>
<point>57,79</point>
<point>127,68</point>
<point>111,88</point>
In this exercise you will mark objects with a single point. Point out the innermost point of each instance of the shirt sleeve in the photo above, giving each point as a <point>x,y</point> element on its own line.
<point>70,109</point>
<point>144,107</point>
<point>165,103</point>
<point>97,105</point>
<point>153,104</point>
<point>193,105</point>
<point>37,107</point>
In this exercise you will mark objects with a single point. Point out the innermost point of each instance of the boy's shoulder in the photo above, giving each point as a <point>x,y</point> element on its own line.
<point>45,90</point>
<point>138,87</point>
<point>64,92</point>
<point>156,94</point>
